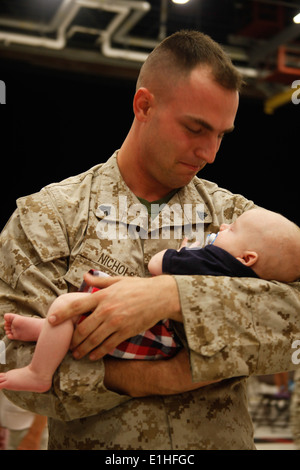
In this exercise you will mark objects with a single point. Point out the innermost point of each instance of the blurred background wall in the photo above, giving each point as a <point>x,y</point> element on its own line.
<point>70,108</point>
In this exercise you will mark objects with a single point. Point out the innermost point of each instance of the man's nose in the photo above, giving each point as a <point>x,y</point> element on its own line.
<point>207,150</point>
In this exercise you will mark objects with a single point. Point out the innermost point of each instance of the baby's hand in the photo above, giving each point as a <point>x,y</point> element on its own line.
<point>185,242</point>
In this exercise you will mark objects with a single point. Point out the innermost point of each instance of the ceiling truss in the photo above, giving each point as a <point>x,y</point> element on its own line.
<point>116,36</point>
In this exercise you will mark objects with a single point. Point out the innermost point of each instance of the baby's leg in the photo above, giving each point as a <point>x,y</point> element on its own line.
<point>53,344</point>
<point>22,328</point>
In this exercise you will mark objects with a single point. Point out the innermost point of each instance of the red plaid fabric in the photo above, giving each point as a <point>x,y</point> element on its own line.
<point>158,342</point>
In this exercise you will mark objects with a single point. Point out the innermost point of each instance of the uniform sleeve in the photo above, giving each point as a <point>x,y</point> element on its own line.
<point>239,326</point>
<point>34,257</point>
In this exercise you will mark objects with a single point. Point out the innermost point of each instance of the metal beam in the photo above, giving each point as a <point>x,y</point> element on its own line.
<point>280,99</point>
<point>260,53</point>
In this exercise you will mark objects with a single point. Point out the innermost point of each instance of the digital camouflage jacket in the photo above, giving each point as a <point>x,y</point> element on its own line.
<point>233,327</point>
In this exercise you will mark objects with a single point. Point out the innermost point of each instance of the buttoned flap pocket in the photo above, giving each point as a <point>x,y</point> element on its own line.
<point>107,256</point>
<point>212,348</point>
<point>80,266</point>
<point>41,224</point>
<point>33,235</point>
<point>206,337</point>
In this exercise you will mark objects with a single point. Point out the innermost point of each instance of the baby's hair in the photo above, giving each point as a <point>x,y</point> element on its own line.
<point>283,237</point>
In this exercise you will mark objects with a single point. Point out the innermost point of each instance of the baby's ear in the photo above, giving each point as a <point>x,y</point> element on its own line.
<point>249,258</point>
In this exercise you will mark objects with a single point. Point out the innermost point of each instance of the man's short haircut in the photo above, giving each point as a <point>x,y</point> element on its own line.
<point>183,51</point>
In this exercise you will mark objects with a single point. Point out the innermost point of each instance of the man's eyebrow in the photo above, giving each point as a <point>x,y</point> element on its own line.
<point>207,125</point>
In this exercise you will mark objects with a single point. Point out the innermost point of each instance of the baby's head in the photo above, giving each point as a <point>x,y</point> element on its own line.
<point>266,241</point>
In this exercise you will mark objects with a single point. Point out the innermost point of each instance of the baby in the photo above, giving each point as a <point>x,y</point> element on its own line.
<point>259,243</point>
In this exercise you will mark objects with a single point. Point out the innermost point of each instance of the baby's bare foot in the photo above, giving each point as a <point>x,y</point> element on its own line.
<point>24,379</point>
<point>22,328</point>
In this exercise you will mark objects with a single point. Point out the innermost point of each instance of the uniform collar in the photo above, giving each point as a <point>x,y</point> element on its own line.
<point>116,202</point>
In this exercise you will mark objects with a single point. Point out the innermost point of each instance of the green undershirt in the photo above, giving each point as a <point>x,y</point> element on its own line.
<point>158,205</point>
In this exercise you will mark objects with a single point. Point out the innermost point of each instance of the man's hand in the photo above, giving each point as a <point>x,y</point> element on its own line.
<point>32,440</point>
<point>122,308</point>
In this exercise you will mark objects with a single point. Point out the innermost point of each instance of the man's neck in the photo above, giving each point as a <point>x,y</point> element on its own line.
<point>142,186</point>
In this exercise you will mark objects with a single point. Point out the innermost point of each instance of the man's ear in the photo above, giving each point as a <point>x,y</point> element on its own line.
<point>142,102</point>
<point>249,258</point>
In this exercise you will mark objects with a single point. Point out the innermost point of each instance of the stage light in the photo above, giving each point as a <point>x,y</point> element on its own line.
<point>180,2</point>
<point>296,19</point>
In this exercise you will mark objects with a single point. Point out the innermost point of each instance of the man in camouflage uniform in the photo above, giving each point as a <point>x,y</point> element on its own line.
<point>231,327</point>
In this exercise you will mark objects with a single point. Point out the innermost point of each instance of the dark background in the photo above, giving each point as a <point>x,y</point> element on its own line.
<point>58,124</point>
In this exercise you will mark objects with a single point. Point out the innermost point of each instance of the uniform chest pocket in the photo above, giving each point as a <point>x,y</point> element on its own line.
<point>110,256</point>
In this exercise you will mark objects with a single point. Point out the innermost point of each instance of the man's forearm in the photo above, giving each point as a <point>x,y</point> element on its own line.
<point>32,440</point>
<point>127,377</point>
<point>138,378</point>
